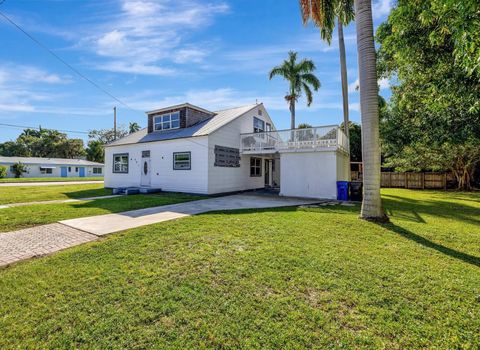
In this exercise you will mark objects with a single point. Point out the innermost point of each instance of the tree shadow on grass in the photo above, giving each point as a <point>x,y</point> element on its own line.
<point>467,258</point>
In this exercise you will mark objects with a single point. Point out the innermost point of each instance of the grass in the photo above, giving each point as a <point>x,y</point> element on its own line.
<point>49,179</point>
<point>16,218</point>
<point>285,278</point>
<point>25,194</point>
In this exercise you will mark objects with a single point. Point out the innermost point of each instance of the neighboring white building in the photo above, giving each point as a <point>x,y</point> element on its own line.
<point>53,167</point>
<point>189,149</point>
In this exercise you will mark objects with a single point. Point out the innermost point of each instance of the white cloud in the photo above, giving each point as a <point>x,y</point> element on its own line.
<point>381,8</point>
<point>353,87</point>
<point>146,35</point>
<point>384,83</point>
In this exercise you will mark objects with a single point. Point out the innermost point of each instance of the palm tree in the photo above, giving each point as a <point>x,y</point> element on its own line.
<point>323,13</point>
<point>323,16</point>
<point>367,75</point>
<point>300,77</point>
<point>133,127</point>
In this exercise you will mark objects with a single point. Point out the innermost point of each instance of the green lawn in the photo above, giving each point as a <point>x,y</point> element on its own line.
<point>271,279</point>
<point>48,179</point>
<point>23,194</point>
<point>16,218</point>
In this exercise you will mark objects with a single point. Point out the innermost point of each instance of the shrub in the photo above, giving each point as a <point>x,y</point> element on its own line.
<point>19,169</point>
<point>3,171</point>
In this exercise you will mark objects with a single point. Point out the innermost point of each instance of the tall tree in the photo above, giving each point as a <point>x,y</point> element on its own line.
<point>433,117</point>
<point>367,71</point>
<point>95,151</point>
<point>300,78</point>
<point>323,16</point>
<point>107,135</point>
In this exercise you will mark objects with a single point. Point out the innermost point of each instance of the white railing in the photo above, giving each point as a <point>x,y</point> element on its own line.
<point>317,138</point>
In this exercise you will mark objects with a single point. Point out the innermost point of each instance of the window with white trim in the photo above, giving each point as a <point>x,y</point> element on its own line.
<point>46,170</point>
<point>120,163</point>
<point>258,125</point>
<point>255,167</point>
<point>167,121</point>
<point>97,170</point>
<point>182,161</point>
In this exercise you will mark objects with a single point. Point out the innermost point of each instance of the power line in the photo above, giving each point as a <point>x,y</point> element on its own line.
<point>63,61</point>
<point>38,128</point>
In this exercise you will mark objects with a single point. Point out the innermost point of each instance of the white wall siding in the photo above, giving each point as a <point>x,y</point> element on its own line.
<point>224,179</point>
<point>308,174</point>
<point>162,174</point>
<point>343,167</point>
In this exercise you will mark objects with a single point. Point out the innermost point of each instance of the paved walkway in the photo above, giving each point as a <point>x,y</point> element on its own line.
<point>10,205</point>
<point>49,183</point>
<point>40,240</point>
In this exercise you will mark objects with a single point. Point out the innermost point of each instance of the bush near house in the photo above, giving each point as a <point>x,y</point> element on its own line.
<point>3,171</point>
<point>19,169</point>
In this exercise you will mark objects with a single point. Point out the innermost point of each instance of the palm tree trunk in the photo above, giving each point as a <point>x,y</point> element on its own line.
<point>292,113</point>
<point>372,202</point>
<point>343,73</point>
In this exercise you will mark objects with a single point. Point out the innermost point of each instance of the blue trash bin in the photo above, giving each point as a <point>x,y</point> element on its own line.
<point>342,190</point>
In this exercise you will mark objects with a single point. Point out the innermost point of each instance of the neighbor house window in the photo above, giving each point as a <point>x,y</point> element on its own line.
<point>182,161</point>
<point>69,169</point>
<point>97,170</point>
<point>12,169</point>
<point>167,121</point>
<point>76,169</point>
<point>120,163</point>
<point>46,170</point>
<point>258,125</point>
<point>255,167</point>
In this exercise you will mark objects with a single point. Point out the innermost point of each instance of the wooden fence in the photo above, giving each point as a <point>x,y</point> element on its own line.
<point>412,180</point>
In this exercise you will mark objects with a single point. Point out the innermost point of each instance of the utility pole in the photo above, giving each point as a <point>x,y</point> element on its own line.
<point>114,123</point>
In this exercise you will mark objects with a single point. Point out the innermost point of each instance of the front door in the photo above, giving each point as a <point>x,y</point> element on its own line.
<point>82,172</point>
<point>268,182</point>
<point>63,170</point>
<point>145,169</point>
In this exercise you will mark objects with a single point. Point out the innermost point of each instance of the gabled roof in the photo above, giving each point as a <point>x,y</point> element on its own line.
<point>203,128</point>
<point>47,161</point>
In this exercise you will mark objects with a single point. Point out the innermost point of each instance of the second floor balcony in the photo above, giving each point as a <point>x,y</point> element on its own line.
<point>322,138</point>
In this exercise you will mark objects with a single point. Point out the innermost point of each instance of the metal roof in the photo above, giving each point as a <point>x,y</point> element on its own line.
<point>47,161</point>
<point>203,128</point>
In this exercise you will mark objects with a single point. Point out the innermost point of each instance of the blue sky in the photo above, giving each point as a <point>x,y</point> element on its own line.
<point>151,54</point>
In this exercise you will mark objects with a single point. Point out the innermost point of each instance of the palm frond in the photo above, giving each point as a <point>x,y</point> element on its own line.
<point>305,10</point>
<point>312,80</point>
<point>308,94</point>
<point>277,71</point>
<point>345,11</point>
<point>306,66</point>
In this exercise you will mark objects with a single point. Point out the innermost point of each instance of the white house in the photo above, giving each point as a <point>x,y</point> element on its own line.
<point>186,148</point>
<point>53,167</point>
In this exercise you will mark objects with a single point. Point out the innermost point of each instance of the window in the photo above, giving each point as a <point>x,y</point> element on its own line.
<point>268,127</point>
<point>69,169</point>
<point>167,121</point>
<point>12,169</point>
<point>97,170</point>
<point>258,125</point>
<point>120,163</point>
<point>182,161</point>
<point>76,169</point>
<point>145,154</point>
<point>255,167</point>
<point>227,157</point>
<point>46,170</point>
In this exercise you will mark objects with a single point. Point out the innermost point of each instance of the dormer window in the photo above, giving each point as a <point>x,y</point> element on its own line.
<point>167,121</point>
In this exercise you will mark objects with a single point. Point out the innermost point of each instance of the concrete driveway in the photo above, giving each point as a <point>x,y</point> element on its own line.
<point>109,223</point>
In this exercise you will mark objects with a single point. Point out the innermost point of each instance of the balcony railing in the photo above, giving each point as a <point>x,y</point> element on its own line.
<point>318,138</point>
